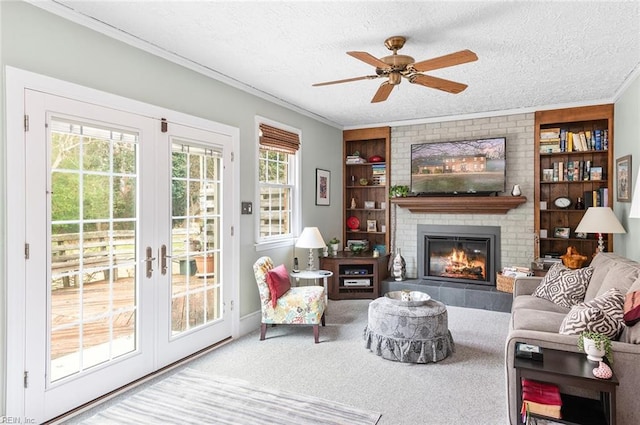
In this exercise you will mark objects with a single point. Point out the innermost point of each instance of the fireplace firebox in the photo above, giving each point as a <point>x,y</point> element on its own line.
<point>459,254</point>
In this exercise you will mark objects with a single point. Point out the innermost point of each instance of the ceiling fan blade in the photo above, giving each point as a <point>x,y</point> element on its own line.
<point>370,59</point>
<point>437,83</point>
<point>347,80</point>
<point>451,59</point>
<point>383,92</point>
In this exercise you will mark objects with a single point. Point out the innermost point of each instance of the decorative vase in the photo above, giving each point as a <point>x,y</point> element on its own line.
<point>334,249</point>
<point>516,190</point>
<point>593,353</point>
<point>399,266</point>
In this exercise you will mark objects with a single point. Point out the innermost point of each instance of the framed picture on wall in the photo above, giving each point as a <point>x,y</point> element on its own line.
<point>323,186</point>
<point>623,177</point>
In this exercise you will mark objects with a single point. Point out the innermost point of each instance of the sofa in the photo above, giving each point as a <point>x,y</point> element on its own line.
<point>547,323</point>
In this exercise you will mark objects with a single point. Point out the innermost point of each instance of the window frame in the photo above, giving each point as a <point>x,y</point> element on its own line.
<point>265,243</point>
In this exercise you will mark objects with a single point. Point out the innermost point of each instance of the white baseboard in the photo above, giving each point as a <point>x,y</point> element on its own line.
<point>250,323</point>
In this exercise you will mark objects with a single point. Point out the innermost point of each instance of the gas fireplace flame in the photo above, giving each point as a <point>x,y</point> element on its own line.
<point>458,257</point>
<point>460,264</point>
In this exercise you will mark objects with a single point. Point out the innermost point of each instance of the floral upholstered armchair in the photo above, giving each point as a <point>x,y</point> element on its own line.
<point>283,304</point>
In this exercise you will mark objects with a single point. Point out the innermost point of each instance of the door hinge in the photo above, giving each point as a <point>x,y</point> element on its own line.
<point>26,122</point>
<point>164,127</point>
<point>231,230</point>
<point>231,305</point>
<point>232,156</point>
<point>26,251</point>
<point>26,379</point>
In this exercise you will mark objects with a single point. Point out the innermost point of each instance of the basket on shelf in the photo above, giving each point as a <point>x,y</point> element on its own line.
<point>573,259</point>
<point>504,283</point>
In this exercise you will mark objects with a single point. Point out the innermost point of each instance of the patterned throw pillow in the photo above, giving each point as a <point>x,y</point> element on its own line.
<point>564,286</point>
<point>602,314</point>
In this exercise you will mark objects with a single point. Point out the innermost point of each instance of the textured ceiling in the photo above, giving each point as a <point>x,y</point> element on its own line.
<point>532,54</point>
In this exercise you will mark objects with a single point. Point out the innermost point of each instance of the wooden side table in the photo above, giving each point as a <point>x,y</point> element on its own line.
<point>572,369</point>
<point>349,269</point>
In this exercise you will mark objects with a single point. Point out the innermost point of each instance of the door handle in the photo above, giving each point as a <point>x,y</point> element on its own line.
<point>163,259</point>
<point>149,260</point>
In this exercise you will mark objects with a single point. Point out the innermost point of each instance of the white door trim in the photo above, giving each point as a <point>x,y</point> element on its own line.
<point>17,81</point>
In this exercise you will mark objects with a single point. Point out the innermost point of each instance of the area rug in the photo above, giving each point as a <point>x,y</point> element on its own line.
<point>193,397</point>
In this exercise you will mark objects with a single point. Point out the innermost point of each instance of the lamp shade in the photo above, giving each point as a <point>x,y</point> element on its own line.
<point>310,238</point>
<point>635,201</point>
<point>600,220</point>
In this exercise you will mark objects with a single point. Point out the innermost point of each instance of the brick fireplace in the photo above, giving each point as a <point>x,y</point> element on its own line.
<point>457,265</point>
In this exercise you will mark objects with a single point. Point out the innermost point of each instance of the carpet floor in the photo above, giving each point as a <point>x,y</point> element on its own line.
<point>466,387</point>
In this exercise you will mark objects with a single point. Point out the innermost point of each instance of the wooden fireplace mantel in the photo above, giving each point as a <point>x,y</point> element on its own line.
<point>460,204</point>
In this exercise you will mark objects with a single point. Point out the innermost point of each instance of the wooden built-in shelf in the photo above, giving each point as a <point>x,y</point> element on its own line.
<point>460,204</point>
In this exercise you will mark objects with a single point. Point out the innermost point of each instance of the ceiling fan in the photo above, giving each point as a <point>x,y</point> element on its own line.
<point>396,66</point>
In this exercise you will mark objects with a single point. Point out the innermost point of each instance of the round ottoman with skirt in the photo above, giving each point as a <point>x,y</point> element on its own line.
<point>414,331</point>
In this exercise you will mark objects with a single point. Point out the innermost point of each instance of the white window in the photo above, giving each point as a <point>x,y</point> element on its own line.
<point>278,198</point>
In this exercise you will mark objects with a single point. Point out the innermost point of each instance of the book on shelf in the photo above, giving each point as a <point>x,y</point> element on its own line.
<point>590,142</point>
<point>583,141</point>
<point>570,170</point>
<point>549,410</point>
<point>595,173</point>
<point>550,145</point>
<point>597,139</point>
<point>541,398</point>
<point>355,160</point>
<point>596,198</point>
<point>549,133</point>
<point>378,169</point>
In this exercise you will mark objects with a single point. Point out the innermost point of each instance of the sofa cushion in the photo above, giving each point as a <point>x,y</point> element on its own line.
<point>621,276</point>
<point>534,320</point>
<point>602,263</point>
<point>540,304</point>
<point>630,334</point>
<point>279,283</point>
<point>632,308</point>
<point>635,286</point>
<point>602,314</point>
<point>564,286</point>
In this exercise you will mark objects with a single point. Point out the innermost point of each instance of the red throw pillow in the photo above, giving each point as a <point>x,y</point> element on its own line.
<point>632,308</point>
<point>279,283</point>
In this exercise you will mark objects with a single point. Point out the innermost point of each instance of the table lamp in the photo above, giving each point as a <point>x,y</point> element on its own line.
<point>311,239</point>
<point>634,212</point>
<point>600,220</point>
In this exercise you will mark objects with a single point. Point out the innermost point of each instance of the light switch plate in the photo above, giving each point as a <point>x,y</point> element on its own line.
<point>247,208</point>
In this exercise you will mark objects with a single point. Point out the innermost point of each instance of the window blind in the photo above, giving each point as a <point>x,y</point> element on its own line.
<point>279,140</point>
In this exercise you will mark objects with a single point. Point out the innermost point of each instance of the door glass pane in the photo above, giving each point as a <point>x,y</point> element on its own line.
<point>93,306</point>
<point>195,240</point>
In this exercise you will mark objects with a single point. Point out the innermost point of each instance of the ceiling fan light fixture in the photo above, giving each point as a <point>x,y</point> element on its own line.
<point>396,66</point>
<point>395,78</point>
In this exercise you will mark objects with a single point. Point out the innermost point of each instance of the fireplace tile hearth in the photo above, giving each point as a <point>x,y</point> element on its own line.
<point>455,294</point>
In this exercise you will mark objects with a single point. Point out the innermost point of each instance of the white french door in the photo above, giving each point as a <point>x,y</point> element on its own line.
<point>118,216</point>
<point>195,278</point>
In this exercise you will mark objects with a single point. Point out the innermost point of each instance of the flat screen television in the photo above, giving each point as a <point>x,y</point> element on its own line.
<point>465,167</point>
